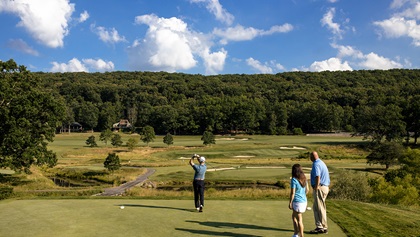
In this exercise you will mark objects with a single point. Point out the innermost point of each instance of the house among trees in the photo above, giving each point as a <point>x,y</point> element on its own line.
<point>72,127</point>
<point>122,124</point>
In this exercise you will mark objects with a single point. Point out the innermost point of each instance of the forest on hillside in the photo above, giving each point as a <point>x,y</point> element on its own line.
<point>377,103</point>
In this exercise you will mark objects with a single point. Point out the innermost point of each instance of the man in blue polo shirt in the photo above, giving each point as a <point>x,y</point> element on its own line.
<point>198,182</point>
<point>320,180</point>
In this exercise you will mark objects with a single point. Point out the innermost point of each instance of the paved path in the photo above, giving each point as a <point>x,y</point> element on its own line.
<point>116,191</point>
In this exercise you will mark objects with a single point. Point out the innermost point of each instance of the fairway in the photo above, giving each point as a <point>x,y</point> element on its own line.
<point>103,217</point>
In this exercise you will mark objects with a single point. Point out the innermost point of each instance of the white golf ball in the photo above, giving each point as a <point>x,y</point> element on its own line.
<point>308,208</point>
<point>121,207</point>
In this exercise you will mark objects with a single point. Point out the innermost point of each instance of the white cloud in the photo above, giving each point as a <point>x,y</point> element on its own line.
<point>217,10</point>
<point>214,62</point>
<point>400,27</point>
<point>347,51</point>
<point>108,36</point>
<point>404,22</point>
<point>399,3</point>
<point>265,68</point>
<point>332,64</point>
<point>75,65</point>
<point>366,61</point>
<point>22,46</point>
<point>83,17</point>
<point>374,61</point>
<point>327,20</point>
<point>239,33</point>
<point>170,46</point>
<point>412,12</point>
<point>45,20</point>
<point>99,64</point>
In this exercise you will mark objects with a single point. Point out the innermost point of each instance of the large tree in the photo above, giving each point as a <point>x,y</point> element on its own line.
<point>29,116</point>
<point>386,153</point>
<point>148,134</point>
<point>380,123</point>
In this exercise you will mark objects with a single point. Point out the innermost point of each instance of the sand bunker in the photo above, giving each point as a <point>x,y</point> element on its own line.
<point>292,148</point>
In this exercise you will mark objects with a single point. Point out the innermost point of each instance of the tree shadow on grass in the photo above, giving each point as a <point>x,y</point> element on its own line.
<point>158,207</point>
<point>379,171</point>
<point>236,225</point>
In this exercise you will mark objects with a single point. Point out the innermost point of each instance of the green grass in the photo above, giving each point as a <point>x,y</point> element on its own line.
<point>367,219</point>
<point>228,213</point>
<point>103,217</point>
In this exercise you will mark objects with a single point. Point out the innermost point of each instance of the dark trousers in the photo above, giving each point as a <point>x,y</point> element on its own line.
<point>198,192</point>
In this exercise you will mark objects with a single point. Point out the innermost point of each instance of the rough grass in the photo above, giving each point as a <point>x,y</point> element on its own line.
<point>367,219</point>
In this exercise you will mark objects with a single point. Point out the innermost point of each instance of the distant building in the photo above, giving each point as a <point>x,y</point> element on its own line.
<point>122,124</point>
<point>72,127</point>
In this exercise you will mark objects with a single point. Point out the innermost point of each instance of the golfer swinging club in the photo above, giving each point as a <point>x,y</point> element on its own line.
<point>198,183</point>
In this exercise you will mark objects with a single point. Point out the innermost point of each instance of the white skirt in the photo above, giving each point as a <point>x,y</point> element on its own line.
<point>299,206</point>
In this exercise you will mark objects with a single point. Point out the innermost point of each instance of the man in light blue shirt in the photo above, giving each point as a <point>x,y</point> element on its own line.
<point>320,180</point>
<point>198,182</point>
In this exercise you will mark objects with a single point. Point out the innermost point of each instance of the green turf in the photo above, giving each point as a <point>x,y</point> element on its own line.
<point>103,217</point>
<point>369,219</point>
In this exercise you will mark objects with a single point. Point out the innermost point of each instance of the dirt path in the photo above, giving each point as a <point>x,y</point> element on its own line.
<point>116,191</point>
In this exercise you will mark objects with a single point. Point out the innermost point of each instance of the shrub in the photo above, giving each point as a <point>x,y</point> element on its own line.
<point>112,162</point>
<point>400,191</point>
<point>91,141</point>
<point>297,131</point>
<point>351,186</point>
<point>5,192</point>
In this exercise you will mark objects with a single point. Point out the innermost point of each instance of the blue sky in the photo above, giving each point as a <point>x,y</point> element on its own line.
<point>210,36</point>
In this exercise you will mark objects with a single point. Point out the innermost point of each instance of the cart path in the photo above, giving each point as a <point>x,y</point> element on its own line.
<point>116,191</point>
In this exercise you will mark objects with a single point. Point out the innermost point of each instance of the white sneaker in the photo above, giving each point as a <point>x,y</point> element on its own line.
<point>295,236</point>
<point>198,208</point>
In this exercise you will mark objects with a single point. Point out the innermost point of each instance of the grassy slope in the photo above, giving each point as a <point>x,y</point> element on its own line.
<point>366,219</point>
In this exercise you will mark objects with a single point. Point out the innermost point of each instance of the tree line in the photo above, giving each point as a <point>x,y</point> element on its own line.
<point>383,105</point>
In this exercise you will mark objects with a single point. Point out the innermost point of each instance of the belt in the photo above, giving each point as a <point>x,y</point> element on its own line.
<point>322,185</point>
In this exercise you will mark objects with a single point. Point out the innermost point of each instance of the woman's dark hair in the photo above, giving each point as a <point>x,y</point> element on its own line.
<point>298,174</point>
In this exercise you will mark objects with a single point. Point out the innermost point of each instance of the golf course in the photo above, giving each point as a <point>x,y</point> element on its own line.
<point>246,190</point>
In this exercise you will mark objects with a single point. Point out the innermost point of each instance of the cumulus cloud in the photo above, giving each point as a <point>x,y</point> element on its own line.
<point>108,36</point>
<point>217,10</point>
<point>170,46</point>
<point>374,61</point>
<point>99,64</point>
<point>22,46</point>
<point>214,62</point>
<point>366,61</point>
<point>332,64</point>
<point>265,68</point>
<point>397,27</point>
<point>240,33</point>
<point>403,23</point>
<point>327,20</point>
<point>45,20</point>
<point>75,65</point>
